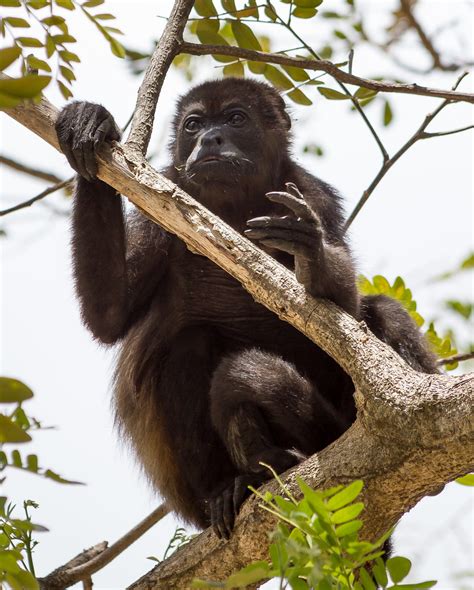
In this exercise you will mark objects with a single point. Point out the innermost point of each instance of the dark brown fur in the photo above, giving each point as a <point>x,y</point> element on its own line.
<point>208,382</point>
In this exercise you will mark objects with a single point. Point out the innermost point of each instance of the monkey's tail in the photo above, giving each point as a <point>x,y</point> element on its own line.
<point>389,321</point>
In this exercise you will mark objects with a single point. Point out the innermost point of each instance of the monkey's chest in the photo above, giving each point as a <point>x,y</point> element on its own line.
<point>208,295</point>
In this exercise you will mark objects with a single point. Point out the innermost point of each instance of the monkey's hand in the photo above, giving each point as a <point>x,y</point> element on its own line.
<point>82,129</point>
<point>299,234</point>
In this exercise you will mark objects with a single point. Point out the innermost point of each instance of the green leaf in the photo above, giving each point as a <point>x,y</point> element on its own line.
<point>345,496</point>
<point>270,13</point>
<point>398,568</point>
<point>244,36</point>
<point>366,579</point>
<point>29,42</point>
<point>37,4</point>
<point>67,73</point>
<point>297,74</point>
<point>299,97</point>
<point>466,480</point>
<point>387,114</point>
<point>348,513</point>
<point>256,67</point>
<point>365,93</point>
<point>61,39</point>
<point>379,572</point>
<point>116,47</point>
<point>304,12</point>
<point>9,431</point>
<point>68,56</point>
<point>26,580</point>
<point>7,56</point>
<point>37,64</point>
<point>332,94</point>
<point>207,25</point>
<point>251,574</point>
<point>277,78</point>
<point>92,3</point>
<point>30,86</point>
<point>205,8</point>
<point>228,6</point>
<point>12,3</point>
<point>17,23</point>
<point>349,528</point>
<point>104,16</point>
<point>235,69</point>
<point>52,20</point>
<point>57,478</point>
<point>307,3</point>
<point>464,309</point>
<point>67,4</point>
<point>64,90</point>
<point>8,102</point>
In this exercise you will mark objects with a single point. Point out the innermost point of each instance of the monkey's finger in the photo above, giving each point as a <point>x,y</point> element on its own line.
<point>212,510</point>
<point>90,159</point>
<point>268,233</point>
<point>77,150</point>
<point>300,208</point>
<point>228,512</point>
<point>106,131</point>
<point>219,506</point>
<point>294,190</point>
<point>291,223</point>
<point>68,152</point>
<point>241,492</point>
<point>290,247</point>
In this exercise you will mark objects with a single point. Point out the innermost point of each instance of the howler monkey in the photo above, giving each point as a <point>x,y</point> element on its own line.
<point>208,382</point>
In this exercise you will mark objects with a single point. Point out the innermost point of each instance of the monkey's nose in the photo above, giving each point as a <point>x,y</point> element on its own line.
<point>211,138</point>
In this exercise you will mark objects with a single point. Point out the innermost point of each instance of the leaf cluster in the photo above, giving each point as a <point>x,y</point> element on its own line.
<point>443,346</point>
<point>16,540</point>
<point>40,34</point>
<point>316,546</point>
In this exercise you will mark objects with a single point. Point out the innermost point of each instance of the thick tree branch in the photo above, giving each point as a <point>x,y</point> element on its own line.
<point>325,66</point>
<point>414,432</point>
<point>167,49</point>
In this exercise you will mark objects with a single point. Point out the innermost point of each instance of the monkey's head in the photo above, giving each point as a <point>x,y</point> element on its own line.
<point>229,130</point>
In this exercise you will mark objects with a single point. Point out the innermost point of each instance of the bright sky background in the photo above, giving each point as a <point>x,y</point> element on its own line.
<point>417,224</point>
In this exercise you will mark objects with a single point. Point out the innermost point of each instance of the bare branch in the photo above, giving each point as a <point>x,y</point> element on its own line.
<point>48,176</point>
<point>166,50</point>
<point>81,567</point>
<point>458,358</point>
<point>49,191</point>
<point>425,40</point>
<point>325,66</point>
<point>419,134</point>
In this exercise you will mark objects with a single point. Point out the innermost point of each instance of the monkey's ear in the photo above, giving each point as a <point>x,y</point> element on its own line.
<point>284,113</point>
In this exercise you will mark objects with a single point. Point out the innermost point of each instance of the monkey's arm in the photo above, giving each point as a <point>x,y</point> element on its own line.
<point>116,267</point>
<point>313,235</point>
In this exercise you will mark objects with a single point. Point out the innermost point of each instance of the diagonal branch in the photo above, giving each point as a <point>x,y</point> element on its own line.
<point>166,50</point>
<point>325,66</point>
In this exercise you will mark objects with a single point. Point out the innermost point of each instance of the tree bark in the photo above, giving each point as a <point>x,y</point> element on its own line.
<point>414,432</point>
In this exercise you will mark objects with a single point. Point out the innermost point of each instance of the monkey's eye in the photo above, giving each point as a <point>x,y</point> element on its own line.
<point>237,119</point>
<point>193,124</point>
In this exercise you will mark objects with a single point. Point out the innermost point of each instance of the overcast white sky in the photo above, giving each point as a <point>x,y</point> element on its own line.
<point>417,224</point>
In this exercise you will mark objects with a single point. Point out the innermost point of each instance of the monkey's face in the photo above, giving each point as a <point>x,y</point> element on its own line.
<point>220,145</point>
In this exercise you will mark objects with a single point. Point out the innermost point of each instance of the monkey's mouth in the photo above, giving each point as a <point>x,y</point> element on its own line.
<point>211,160</point>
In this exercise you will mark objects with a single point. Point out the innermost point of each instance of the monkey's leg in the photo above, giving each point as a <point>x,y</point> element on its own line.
<point>265,412</point>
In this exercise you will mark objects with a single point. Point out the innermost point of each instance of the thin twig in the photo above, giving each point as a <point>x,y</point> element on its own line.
<point>325,66</point>
<point>419,134</point>
<point>165,51</point>
<point>42,195</point>
<point>78,569</point>
<point>425,40</point>
<point>458,358</point>
<point>48,176</point>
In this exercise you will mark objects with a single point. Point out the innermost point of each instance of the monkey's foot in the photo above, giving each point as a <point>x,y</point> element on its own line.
<point>225,506</point>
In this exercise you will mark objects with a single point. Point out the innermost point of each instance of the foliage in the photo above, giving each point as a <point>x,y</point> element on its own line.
<point>442,345</point>
<point>226,24</point>
<point>179,539</point>
<point>44,33</point>
<point>16,541</point>
<point>316,546</point>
